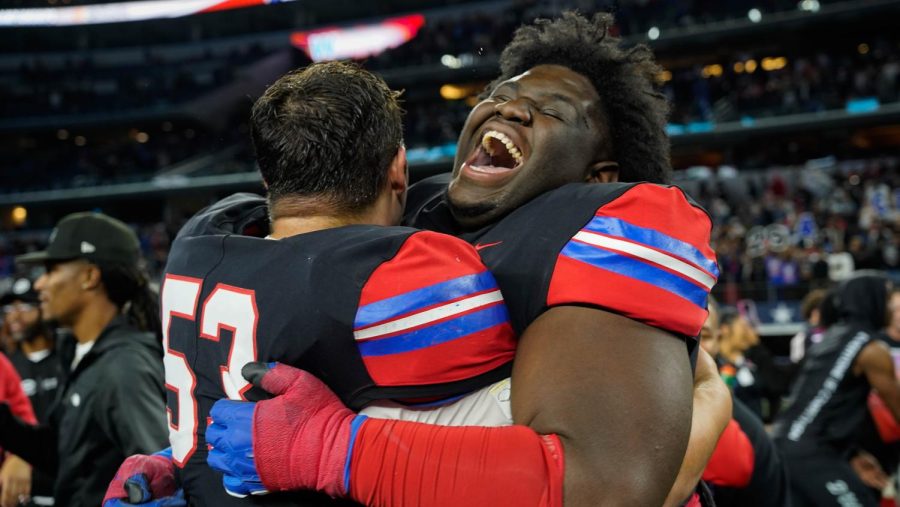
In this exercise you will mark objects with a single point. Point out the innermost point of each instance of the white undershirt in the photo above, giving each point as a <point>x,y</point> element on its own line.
<point>37,357</point>
<point>81,350</point>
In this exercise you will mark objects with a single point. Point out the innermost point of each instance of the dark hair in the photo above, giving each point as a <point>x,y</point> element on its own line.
<point>625,79</point>
<point>327,131</point>
<point>728,315</point>
<point>128,287</point>
<point>812,301</point>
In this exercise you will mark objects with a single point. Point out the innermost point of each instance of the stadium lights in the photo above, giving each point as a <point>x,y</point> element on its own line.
<point>453,92</point>
<point>451,61</point>
<point>809,5</point>
<point>80,140</point>
<point>19,215</point>
<point>653,33</point>
<point>773,63</point>
<point>457,92</point>
<point>738,67</point>
<point>863,48</point>
<point>750,66</point>
<point>665,76</point>
<point>360,41</point>
<point>62,134</point>
<point>714,70</point>
<point>117,12</point>
<point>755,15</point>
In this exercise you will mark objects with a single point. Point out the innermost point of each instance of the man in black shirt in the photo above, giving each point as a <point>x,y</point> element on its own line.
<point>828,402</point>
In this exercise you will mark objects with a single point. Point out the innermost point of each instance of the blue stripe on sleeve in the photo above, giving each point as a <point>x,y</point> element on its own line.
<point>355,424</point>
<point>622,229</point>
<point>420,298</point>
<point>637,269</point>
<point>437,333</point>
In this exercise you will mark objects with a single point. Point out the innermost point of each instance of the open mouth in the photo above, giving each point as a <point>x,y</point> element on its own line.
<point>497,153</point>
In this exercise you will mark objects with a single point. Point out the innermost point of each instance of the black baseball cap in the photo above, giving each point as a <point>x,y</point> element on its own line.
<point>88,235</point>
<point>22,290</point>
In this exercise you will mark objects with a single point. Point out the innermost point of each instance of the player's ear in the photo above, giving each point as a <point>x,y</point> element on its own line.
<point>90,277</point>
<point>398,173</point>
<point>606,171</point>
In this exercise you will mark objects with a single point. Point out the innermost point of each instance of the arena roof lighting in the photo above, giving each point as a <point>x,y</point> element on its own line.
<point>120,12</point>
<point>358,41</point>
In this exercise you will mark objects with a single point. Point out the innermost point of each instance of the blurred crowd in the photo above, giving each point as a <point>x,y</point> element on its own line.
<point>782,231</point>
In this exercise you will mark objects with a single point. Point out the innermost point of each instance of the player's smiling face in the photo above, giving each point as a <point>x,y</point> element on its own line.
<point>536,132</point>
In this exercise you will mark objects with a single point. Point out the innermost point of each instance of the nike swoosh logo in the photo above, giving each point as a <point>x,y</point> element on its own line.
<point>479,246</point>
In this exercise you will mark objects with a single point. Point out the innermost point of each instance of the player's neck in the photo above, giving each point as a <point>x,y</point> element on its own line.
<point>286,227</point>
<point>37,344</point>
<point>298,216</point>
<point>93,320</point>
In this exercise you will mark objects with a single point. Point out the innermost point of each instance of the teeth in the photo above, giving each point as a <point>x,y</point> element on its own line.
<point>510,146</point>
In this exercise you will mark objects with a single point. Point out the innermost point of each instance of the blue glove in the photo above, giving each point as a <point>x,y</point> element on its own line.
<point>145,480</point>
<point>140,483</point>
<point>230,435</point>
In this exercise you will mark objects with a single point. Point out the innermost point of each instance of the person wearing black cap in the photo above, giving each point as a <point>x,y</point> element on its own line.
<point>827,405</point>
<point>112,401</point>
<point>36,362</point>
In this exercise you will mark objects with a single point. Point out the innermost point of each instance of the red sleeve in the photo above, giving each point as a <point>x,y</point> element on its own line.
<point>646,256</point>
<point>12,393</point>
<point>402,464</point>
<point>432,314</point>
<point>887,426</point>
<point>732,462</point>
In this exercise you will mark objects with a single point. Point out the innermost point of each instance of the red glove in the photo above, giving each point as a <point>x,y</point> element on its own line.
<point>141,478</point>
<point>302,437</point>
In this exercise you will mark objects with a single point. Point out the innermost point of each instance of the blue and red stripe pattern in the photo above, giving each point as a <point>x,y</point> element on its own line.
<point>432,314</point>
<point>646,255</point>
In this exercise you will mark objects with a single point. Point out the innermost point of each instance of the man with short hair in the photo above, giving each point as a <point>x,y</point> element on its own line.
<point>36,361</point>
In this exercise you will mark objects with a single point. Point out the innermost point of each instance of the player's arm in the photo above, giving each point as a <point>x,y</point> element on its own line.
<point>711,416</point>
<point>875,362</point>
<point>34,444</point>
<point>618,394</point>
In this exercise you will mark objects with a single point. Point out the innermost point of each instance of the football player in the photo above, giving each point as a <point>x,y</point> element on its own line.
<point>312,277</point>
<point>605,283</point>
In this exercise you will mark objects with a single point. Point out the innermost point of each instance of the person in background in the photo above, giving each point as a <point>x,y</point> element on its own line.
<point>737,336</point>
<point>746,468</point>
<point>112,401</point>
<point>817,431</point>
<point>36,362</point>
<point>813,330</point>
<point>15,473</point>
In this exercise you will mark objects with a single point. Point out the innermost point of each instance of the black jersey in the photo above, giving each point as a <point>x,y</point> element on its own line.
<point>640,250</point>
<point>827,404</point>
<point>41,379</point>
<point>375,312</point>
<point>828,401</point>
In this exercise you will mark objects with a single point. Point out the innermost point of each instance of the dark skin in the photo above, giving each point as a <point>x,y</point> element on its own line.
<point>578,371</point>
<point>554,117</point>
<point>584,387</point>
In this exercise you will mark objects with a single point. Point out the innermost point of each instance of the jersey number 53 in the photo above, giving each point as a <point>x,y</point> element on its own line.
<point>226,307</point>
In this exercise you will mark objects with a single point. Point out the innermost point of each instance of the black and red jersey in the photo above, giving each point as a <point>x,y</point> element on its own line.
<point>637,249</point>
<point>376,312</point>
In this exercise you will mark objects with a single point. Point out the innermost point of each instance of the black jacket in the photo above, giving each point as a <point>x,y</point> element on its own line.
<point>110,407</point>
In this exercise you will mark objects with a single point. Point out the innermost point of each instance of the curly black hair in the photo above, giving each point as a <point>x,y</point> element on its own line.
<point>327,131</point>
<point>626,80</point>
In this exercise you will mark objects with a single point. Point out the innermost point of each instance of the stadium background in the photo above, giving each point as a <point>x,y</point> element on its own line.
<point>785,117</point>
